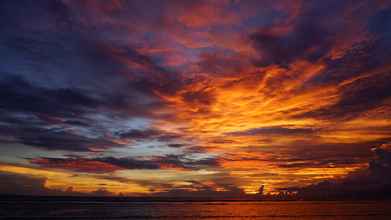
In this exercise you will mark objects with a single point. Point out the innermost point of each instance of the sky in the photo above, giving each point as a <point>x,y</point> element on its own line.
<point>192,98</point>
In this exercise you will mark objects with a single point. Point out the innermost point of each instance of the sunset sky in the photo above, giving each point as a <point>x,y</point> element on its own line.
<point>176,97</point>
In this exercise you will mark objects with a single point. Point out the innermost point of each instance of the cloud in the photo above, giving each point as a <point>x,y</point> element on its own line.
<point>150,134</point>
<point>76,164</point>
<point>248,88</point>
<point>59,140</point>
<point>221,185</point>
<point>358,97</point>
<point>379,24</point>
<point>24,184</point>
<point>181,161</point>
<point>361,73</point>
<point>21,184</point>
<point>274,130</point>
<point>112,164</point>
<point>20,96</point>
<point>198,98</point>
<point>202,191</point>
<point>206,14</point>
<point>372,182</point>
<point>61,79</point>
<point>311,35</point>
<point>51,133</point>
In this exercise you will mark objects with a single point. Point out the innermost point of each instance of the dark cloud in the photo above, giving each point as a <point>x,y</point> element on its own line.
<point>46,53</point>
<point>42,132</point>
<point>111,164</point>
<point>102,192</point>
<point>24,184</point>
<point>314,32</point>
<point>222,63</point>
<point>95,165</point>
<point>19,96</point>
<point>365,94</point>
<point>21,184</point>
<point>380,25</point>
<point>14,14</point>
<point>356,61</point>
<point>357,97</point>
<point>150,134</point>
<point>307,154</point>
<point>140,134</point>
<point>373,182</point>
<point>61,140</point>
<point>176,145</point>
<point>161,162</point>
<point>181,161</point>
<point>76,164</point>
<point>323,153</point>
<point>96,71</point>
<point>367,61</point>
<point>275,130</point>
<point>57,73</point>
<point>382,162</point>
<point>198,98</point>
<point>130,163</point>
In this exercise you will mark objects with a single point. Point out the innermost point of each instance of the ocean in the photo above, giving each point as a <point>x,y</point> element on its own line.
<point>196,210</point>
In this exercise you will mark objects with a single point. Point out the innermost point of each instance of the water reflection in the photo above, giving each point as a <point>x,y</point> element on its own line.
<point>196,210</point>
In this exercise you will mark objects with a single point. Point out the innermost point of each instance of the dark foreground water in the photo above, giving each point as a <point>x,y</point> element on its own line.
<point>196,210</point>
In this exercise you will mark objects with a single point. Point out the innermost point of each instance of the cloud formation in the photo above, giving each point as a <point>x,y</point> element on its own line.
<point>111,164</point>
<point>178,97</point>
<point>368,183</point>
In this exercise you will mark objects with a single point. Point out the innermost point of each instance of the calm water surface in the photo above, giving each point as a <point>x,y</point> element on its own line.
<point>196,210</point>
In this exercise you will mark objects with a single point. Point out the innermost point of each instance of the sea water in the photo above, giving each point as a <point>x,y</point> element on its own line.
<point>196,210</point>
